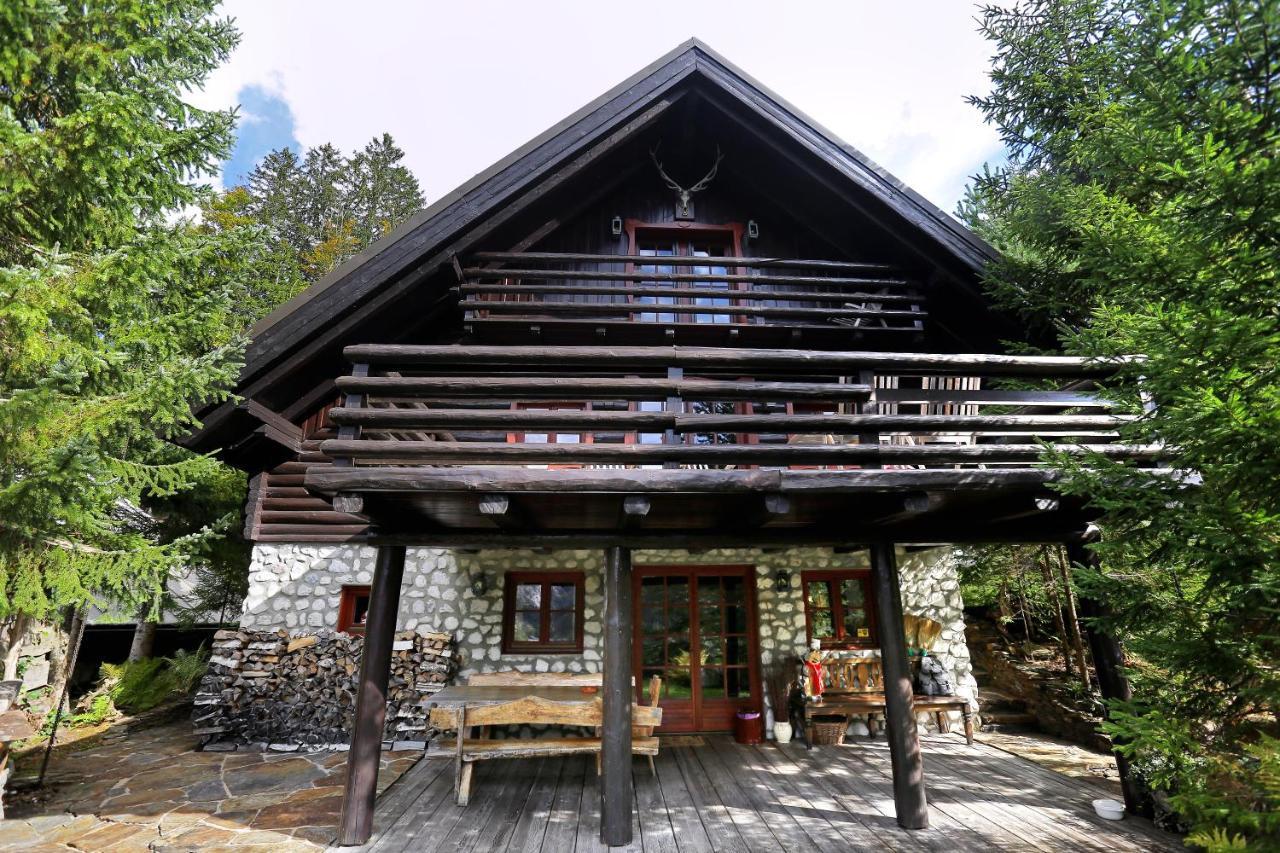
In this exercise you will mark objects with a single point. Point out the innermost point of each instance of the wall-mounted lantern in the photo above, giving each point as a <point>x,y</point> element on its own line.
<point>753,229</point>
<point>615,226</point>
<point>782,580</point>
<point>479,584</point>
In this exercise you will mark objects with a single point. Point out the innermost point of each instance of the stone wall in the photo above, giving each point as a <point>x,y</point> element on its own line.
<point>268,689</point>
<point>297,588</point>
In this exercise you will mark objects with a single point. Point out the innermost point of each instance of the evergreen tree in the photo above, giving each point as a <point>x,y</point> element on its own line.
<point>381,191</point>
<point>114,320</point>
<point>320,209</point>
<point>1139,213</point>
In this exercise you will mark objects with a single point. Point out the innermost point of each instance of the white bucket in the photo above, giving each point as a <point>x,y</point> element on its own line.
<point>1109,809</point>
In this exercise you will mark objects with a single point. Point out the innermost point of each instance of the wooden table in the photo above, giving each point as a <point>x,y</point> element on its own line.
<point>448,703</point>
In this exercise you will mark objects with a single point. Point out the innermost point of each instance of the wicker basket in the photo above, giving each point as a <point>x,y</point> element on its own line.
<point>828,730</point>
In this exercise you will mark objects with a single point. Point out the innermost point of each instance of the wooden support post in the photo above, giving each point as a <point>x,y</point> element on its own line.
<point>899,716</point>
<point>615,785</point>
<point>1108,663</point>
<point>361,788</point>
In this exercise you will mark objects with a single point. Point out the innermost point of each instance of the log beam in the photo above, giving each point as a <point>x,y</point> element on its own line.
<point>361,788</point>
<point>900,719</point>
<point>616,794</point>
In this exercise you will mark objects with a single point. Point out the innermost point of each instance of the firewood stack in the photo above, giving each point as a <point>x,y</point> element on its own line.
<point>265,689</point>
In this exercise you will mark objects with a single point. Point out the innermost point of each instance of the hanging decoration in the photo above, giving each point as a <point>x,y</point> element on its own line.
<point>684,197</point>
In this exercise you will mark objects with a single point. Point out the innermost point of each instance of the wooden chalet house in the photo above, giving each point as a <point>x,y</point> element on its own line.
<point>665,391</point>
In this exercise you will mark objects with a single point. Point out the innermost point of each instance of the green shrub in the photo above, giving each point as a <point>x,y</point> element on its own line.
<point>140,685</point>
<point>187,668</point>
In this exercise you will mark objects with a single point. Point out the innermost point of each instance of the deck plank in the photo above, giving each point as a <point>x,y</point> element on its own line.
<point>760,830</point>
<point>657,833</point>
<point>686,823</point>
<point>722,797</point>
<point>821,797</point>
<point>979,831</point>
<point>531,824</point>
<point>1073,811</point>
<point>721,831</point>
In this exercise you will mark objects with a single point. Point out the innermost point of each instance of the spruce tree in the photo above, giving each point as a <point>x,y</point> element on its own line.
<point>114,318</point>
<point>1139,213</point>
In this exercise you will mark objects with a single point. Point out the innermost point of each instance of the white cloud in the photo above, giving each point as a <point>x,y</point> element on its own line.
<point>460,85</point>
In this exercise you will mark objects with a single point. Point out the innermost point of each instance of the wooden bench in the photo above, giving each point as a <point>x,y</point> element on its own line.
<point>535,710</point>
<point>855,686</point>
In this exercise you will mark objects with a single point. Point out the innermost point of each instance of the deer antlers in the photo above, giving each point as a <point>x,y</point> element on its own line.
<point>685,194</point>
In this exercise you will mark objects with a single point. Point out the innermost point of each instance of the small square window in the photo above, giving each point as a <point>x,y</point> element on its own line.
<point>353,609</point>
<point>542,612</point>
<point>837,608</point>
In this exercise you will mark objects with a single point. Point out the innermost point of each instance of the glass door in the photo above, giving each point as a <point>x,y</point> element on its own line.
<point>695,628</point>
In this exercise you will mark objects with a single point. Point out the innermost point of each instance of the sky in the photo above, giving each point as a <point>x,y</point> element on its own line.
<point>461,84</point>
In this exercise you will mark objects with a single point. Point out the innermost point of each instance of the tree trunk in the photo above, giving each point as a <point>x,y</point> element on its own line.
<point>60,663</point>
<point>1051,588</point>
<point>144,640</point>
<point>1073,618</point>
<point>1022,599</point>
<point>12,630</point>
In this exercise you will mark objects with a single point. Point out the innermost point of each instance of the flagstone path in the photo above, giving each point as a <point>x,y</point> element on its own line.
<point>152,791</point>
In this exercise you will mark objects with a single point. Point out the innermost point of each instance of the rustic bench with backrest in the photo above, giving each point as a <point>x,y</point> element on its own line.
<point>470,721</point>
<point>536,711</point>
<point>855,686</point>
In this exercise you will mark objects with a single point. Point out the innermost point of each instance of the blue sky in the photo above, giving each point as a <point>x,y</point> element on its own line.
<point>266,124</point>
<point>888,77</point>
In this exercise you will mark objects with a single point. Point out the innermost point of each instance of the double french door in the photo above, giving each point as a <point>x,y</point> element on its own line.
<point>695,627</point>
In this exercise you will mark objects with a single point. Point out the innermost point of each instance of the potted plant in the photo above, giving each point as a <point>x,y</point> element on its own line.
<point>779,681</point>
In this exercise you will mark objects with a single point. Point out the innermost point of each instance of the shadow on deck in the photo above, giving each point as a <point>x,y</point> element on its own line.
<point>722,796</point>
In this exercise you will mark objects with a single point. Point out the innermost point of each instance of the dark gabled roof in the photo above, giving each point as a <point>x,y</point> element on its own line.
<point>418,245</point>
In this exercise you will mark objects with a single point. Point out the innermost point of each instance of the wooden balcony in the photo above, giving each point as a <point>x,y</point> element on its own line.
<point>714,444</point>
<point>520,295</point>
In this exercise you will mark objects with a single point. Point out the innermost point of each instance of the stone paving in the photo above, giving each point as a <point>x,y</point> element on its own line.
<point>151,791</point>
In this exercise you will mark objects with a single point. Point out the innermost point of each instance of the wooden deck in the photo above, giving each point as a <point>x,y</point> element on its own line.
<point>724,797</point>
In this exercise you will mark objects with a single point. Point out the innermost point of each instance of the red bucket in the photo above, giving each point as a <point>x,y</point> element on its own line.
<point>748,727</point>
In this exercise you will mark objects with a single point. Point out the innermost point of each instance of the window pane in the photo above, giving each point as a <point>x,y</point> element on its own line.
<point>851,590</point>
<point>709,619</point>
<point>736,650</point>
<point>676,684</point>
<point>652,652</point>
<point>528,626</point>
<point>822,627</point>
<point>733,590</point>
<point>651,591</point>
<point>855,624</point>
<point>678,592</point>
<point>563,596</point>
<point>737,682</point>
<point>535,438</point>
<point>528,596</point>
<point>562,627</point>
<point>360,609</point>
<point>708,589</point>
<point>735,620</point>
<point>713,684</point>
<point>819,594</point>
<point>568,438</point>
<point>652,621</point>
<point>712,651</point>
<point>678,650</point>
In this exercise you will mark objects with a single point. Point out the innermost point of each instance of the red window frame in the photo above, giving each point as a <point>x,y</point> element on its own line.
<point>351,615</point>
<point>729,234</point>
<point>835,580</point>
<point>510,645</point>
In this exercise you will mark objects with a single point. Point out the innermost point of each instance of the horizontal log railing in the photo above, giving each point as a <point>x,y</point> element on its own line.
<point>591,406</point>
<point>569,287</point>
